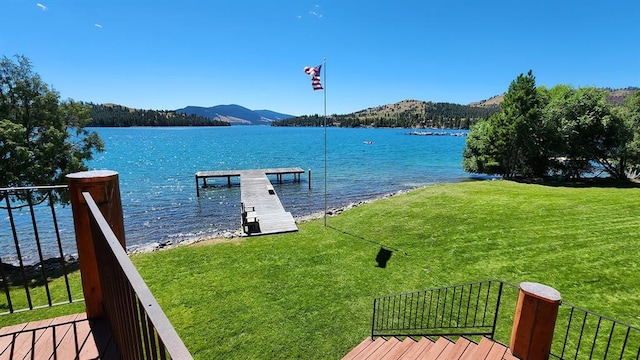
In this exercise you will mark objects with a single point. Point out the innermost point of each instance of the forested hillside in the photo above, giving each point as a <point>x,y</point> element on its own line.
<point>111,115</point>
<point>405,114</point>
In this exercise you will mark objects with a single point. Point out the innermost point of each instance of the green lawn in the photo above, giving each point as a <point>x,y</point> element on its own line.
<point>309,294</point>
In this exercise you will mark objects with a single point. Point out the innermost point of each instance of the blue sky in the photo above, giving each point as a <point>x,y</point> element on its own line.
<point>170,54</point>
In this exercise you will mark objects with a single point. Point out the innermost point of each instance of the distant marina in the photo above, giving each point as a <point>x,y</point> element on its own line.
<point>437,133</point>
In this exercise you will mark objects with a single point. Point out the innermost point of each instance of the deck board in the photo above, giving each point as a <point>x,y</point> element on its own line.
<point>66,337</point>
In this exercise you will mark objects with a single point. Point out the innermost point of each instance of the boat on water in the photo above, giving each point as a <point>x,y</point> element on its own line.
<point>368,142</point>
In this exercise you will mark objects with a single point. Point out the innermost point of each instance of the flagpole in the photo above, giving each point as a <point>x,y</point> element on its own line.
<point>324,81</point>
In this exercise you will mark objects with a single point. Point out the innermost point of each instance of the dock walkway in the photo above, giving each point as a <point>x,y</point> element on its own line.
<point>258,195</point>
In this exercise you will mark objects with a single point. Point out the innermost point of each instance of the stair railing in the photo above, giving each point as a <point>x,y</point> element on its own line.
<point>487,308</point>
<point>469,309</point>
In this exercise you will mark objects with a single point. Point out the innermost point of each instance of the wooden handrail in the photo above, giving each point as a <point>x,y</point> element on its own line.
<point>140,327</point>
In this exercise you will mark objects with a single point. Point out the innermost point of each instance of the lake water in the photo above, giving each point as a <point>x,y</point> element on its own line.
<point>156,167</point>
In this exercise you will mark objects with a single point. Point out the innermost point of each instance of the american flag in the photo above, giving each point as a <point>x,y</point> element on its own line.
<point>314,72</point>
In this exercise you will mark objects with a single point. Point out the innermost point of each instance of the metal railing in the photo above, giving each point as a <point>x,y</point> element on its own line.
<point>582,334</point>
<point>140,327</point>
<point>469,309</point>
<point>487,308</point>
<point>35,248</point>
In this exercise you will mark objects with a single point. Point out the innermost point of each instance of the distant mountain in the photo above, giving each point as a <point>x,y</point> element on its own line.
<point>235,114</point>
<point>114,115</point>
<point>403,114</point>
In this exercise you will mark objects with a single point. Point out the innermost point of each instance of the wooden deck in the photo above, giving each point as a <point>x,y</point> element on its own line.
<point>67,337</point>
<point>257,193</point>
<point>425,349</point>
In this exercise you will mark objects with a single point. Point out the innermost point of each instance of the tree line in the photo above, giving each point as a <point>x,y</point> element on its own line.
<point>120,116</point>
<point>418,115</point>
<point>560,131</point>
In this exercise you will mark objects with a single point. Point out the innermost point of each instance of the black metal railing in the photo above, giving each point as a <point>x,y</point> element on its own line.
<point>140,327</point>
<point>582,334</point>
<point>469,309</point>
<point>36,246</point>
<point>487,308</point>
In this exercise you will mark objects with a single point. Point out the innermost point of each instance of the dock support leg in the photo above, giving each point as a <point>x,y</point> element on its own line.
<point>309,176</point>
<point>197,188</point>
<point>229,181</point>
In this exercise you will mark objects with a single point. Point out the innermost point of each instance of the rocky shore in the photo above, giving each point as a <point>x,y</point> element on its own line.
<point>237,234</point>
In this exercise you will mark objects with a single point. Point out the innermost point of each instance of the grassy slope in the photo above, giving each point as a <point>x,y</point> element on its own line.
<point>309,294</point>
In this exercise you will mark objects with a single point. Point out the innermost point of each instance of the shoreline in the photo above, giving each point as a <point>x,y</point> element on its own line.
<point>237,234</point>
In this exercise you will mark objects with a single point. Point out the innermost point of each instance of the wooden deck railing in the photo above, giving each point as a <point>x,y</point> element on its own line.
<point>139,326</point>
<point>113,288</point>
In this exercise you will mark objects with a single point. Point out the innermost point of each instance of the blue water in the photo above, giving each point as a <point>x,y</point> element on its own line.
<point>156,167</point>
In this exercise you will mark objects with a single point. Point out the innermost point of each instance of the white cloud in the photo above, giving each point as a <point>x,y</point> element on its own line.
<point>41,6</point>
<point>98,26</point>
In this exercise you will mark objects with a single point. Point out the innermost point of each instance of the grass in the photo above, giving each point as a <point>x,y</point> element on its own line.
<point>309,294</point>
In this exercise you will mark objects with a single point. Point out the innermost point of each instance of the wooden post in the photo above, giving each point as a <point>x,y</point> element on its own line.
<point>309,179</point>
<point>534,321</point>
<point>104,188</point>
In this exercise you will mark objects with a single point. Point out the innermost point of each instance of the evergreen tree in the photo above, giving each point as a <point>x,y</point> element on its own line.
<point>41,137</point>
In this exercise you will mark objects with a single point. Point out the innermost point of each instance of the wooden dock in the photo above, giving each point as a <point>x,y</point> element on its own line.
<point>265,212</point>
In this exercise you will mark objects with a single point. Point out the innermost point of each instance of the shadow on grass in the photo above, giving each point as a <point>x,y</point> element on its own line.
<point>385,252</point>
<point>32,275</point>
<point>581,183</point>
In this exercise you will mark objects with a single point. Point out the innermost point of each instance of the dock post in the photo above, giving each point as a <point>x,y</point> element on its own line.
<point>309,179</point>
<point>197,187</point>
<point>229,181</point>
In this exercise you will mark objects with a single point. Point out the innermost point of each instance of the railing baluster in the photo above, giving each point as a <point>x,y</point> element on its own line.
<point>43,269</point>
<point>495,317</point>
<point>486,302</point>
<point>63,263</point>
<point>404,311</point>
<point>584,323</point>
<point>566,336</point>
<point>475,312</point>
<point>437,312</point>
<point>373,318</point>
<point>595,337</point>
<point>453,304</point>
<point>19,254</point>
<point>466,316</point>
<point>460,306</point>
<point>430,305</point>
<point>424,305</point>
<point>606,350</point>
<point>624,345</point>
